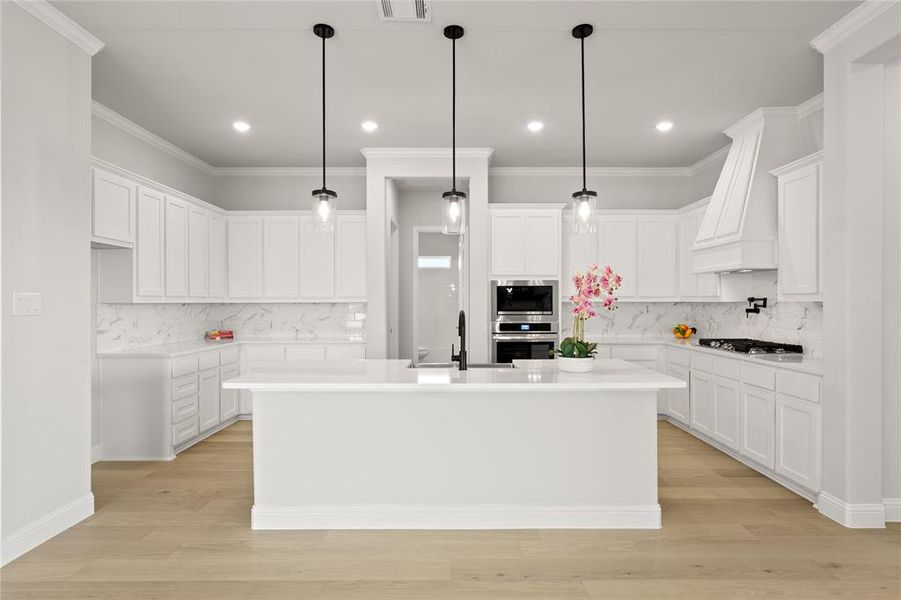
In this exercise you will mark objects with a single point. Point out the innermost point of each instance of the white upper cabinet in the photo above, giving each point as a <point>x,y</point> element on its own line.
<point>350,257</point>
<point>218,262</point>
<point>800,240</point>
<point>525,241</point>
<point>150,243</point>
<point>245,257</point>
<point>579,251</point>
<point>281,255</point>
<point>657,259</point>
<point>693,286</point>
<point>176,247</point>
<point>198,252</point>
<point>317,261</point>
<point>113,206</point>
<point>618,242</point>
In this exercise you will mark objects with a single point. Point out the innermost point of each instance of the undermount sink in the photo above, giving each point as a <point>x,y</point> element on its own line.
<point>471,366</point>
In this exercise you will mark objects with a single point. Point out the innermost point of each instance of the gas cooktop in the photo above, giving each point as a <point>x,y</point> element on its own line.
<point>747,346</point>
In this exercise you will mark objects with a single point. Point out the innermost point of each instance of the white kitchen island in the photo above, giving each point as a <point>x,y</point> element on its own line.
<point>373,444</point>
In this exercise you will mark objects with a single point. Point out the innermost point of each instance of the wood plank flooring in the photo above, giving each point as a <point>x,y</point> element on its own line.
<point>181,530</point>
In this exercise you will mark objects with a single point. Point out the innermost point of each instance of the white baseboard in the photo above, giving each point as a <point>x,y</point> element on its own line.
<point>40,530</point>
<point>245,417</point>
<point>455,517</point>
<point>858,516</point>
<point>96,454</point>
<point>892,510</point>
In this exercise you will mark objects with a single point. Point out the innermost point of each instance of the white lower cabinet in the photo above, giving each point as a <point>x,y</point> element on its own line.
<point>758,411</point>
<point>208,398</point>
<point>798,440</point>
<point>228,399</point>
<point>680,400</point>
<point>726,411</point>
<point>703,397</point>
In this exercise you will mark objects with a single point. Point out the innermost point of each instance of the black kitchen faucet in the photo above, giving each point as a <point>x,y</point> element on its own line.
<point>461,331</point>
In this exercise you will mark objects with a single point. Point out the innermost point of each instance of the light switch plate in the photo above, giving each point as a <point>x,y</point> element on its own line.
<point>26,304</point>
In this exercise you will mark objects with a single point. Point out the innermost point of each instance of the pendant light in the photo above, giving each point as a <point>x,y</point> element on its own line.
<point>585,201</point>
<point>453,203</point>
<point>324,199</point>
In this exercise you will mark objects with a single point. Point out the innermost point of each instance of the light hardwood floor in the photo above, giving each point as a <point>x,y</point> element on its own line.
<point>181,530</point>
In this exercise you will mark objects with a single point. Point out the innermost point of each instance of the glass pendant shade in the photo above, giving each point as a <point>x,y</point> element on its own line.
<point>584,211</point>
<point>453,212</point>
<point>324,205</point>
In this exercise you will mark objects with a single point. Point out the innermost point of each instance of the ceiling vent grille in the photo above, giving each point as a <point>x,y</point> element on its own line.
<point>405,10</point>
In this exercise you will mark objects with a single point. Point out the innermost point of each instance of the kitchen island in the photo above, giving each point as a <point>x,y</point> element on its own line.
<point>374,444</point>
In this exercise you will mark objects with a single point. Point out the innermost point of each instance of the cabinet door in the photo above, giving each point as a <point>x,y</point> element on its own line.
<point>150,243</point>
<point>176,247</point>
<point>113,205</point>
<point>217,262</point>
<point>657,254</point>
<point>208,394</point>
<point>798,441</point>
<point>345,351</point>
<point>245,257</point>
<point>198,252</point>
<point>680,399</point>
<point>228,399</point>
<point>579,251</point>
<point>618,239</point>
<point>726,411</point>
<point>758,418</point>
<point>507,242</point>
<point>281,254</point>
<point>542,248</point>
<point>688,231</point>
<point>350,257</point>
<point>799,239</point>
<point>702,402</point>
<point>317,261</point>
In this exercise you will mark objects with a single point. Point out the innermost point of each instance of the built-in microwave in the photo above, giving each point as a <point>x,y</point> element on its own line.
<point>524,300</point>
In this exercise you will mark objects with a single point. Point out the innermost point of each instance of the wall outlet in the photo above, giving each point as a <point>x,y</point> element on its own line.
<point>26,304</point>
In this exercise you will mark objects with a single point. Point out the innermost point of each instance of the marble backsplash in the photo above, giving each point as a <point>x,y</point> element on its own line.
<point>122,326</point>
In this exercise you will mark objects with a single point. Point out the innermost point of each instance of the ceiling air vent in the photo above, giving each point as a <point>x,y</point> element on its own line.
<point>405,10</point>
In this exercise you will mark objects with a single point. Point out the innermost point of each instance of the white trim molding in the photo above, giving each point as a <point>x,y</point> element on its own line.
<point>401,153</point>
<point>808,107</point>
<point>709,160</point>
<point>42,529</point>
<point>590,171</point>
<point>455,517</point>
<point>128,126</point>
<point>287,171</point>
<point>851,22</point>
<point>63,25</point>
<point>892,510</point>
<point>858,516</point>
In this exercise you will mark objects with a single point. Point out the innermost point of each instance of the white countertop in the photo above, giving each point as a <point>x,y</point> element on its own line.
<point>395,375</point>
<point>807,364</point>
<point>194,346</point>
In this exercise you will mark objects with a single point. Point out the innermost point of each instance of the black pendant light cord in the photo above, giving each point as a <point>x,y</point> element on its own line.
<point>323,113</point>
<point>454,115</point>
<point>582,42</point>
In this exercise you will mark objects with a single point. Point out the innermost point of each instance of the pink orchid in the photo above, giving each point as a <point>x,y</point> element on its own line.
<point>590,286</point>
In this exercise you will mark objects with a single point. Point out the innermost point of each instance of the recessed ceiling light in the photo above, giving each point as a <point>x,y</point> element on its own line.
<point>241,126</point>
<point>369,126</point>
<point>664,126</point>
<point>535,126</point>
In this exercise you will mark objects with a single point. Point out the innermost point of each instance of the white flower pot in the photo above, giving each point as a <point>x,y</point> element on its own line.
<point>575,365</point>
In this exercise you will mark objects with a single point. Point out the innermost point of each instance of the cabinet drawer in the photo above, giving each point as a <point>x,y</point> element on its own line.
<point>265,352</point>
<point>184,431</point>
<point>345,351</point>
<point>701,362</point>
<point>186,385</point>
<point>184,365</point>
<point>184,409</point>
<point>208,360</point>
<point>759,376</point>
<point>678,357</point>
<point>799,385</point>
<point>604,352</point>
<point>228,356</point>
<point>305,351</point>
<point>635,352</point>
<point>727,367</point>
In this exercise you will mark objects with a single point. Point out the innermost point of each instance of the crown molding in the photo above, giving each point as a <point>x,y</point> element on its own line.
<point>590,171</point>
<point>797,164</point>
<point>811,106</point>
<point>709,160</point>
<point>128,126</point>
<point>851,22</point>
<point>63,25</point>
<point>287,171</point>
<point>480,153</point>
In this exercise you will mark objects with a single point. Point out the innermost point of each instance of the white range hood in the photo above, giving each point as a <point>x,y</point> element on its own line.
<point>738,231</point>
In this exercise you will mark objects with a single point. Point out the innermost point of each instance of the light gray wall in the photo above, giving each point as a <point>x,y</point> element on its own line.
<point>114,145</point>
<point>46,207</point>
<point>284,192</point>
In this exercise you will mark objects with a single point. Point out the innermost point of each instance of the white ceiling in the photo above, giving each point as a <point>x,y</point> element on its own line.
<point>187,70</point>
